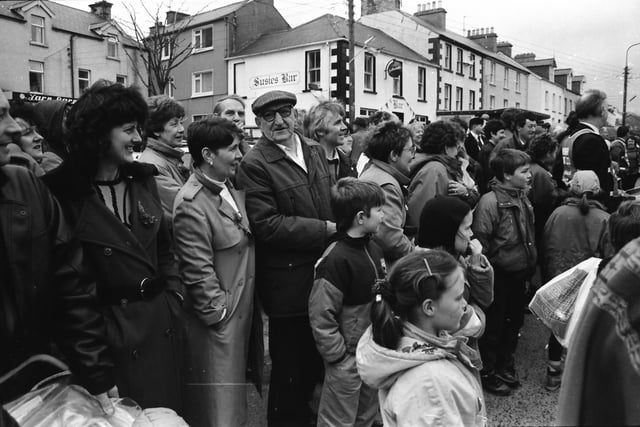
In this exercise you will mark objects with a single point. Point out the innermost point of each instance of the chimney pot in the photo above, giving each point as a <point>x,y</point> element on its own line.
<point>439,3</point>
<point>482,31</point>
<point>102,9</point>
<point>492,29</point>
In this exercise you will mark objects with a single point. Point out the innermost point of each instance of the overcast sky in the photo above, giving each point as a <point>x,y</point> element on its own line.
<point>589,36</point>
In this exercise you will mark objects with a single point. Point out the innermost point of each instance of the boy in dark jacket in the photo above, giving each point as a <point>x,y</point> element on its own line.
<point>340,301</point>
<point>503,223</point>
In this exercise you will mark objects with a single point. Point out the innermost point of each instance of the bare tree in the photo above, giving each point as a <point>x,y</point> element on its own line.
<point>164,48</point>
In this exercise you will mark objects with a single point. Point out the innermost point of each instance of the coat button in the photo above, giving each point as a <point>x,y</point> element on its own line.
<point>168,332</point>
<point>124,302</point>
<point>23,213</point>
<point>108,251</point>
<point>135,354</point>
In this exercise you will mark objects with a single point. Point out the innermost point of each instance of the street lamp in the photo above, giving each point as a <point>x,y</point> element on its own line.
<point>626,77</point>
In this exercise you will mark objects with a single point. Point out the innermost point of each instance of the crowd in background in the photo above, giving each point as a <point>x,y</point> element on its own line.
<point>394,262</point>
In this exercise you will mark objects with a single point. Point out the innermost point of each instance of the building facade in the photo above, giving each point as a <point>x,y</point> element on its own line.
<point>52,51</point>
<point>312,61</point>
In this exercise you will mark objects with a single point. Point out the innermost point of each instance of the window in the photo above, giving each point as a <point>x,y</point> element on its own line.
<point>492,102</point>
<point>546,99</point>
<point>367,112</point>
<point>472,100</point>
<point>84,80</point>
<point>517,82</point>
<point>506,78</point>
<point>447,97</point>
<point>36,76</point>
<point>397,85</point>
<point>313,68</point>
<point>571,105</point>
<point>112,47</point>
<point>170,86</point>
<point>202,39</point>
<point>458,98</point>
<point>420,118</point>
<point>517,105</point>
<point>492,73</point>
<point>369,72</point>
<point>122,79</point>
<point>565,107</point>
<point>198,117</point>
<point>459,62</point>
<point>166,51</point>
<point>422,80</point>
<point>505,104</point>
<point>553,102</point>
<point>447,56</point>
<point>472,67</point>
<point>37,29</point>
<point>202,83</point>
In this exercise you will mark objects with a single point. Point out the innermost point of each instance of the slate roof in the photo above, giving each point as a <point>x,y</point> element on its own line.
<point>562,71</point>
<point>547,62</point>
<point>212,15</point>
<point>67,19</point>
<point>327,28</point>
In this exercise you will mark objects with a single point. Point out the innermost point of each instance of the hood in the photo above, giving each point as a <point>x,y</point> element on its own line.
<point>380,367</point>
<point>452,164</point>
<point>439,222</point>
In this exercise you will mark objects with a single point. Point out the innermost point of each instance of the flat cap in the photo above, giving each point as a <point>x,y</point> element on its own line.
<point>272,97</point>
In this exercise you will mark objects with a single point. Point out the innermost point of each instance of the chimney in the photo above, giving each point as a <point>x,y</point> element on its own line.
<point>102,9</point>
<point>173,17</point>
<point>506,48</point>
<point>156,29</point>
<point>525,57</point>
<point>269,2</point>
<point>369,7</point>
<point>485,37</point>
<point>436,16</point>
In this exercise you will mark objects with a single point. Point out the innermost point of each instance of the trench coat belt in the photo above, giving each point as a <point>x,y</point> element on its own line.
<point>146,289</point>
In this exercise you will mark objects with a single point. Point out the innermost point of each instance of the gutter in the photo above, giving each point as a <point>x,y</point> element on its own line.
<point>71,66</point>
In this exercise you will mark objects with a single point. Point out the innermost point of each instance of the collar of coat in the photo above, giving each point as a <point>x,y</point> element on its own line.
<point>397,175</point>
<point>67,182</point>
<point>507,196</point>
<point>164,148</point>
<point>272,153</point>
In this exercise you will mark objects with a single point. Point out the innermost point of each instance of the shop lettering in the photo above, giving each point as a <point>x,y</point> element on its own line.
<point>288,78</point>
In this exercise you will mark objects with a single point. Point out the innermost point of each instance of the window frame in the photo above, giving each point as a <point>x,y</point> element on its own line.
<point>546,100</point>
<point>398,83</point>
<point>194,78</point>
<point>460,61</point>
<point>492,73</point>
<point>447,56</point>
<point>166,51</point>
<point>371,73</point>
<point>113,41</point>
<point>505,82</point>
<point>518,82</point>
<point>447,97</point>
<point>87,79</point>
<point>41,30</point>
<point>492,102</point>
<point>40,73</point>
<point>459,98</point>
<point>505,103</point>
<point>368,112</point>
<point>308,69</point>
<point>122,77</point>
<point>472,99</point>
<point>199,32</point>
<point>472,66</point>
<point>422,83</point>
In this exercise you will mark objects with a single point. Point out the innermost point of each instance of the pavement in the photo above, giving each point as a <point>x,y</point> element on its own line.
<point>529,405</point>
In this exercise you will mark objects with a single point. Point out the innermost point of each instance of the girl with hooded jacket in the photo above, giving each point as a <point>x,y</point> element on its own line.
<point>424,375</point>
<point>445,224</point>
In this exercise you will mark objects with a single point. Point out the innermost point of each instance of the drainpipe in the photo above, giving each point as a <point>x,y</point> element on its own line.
<point>73,88</point>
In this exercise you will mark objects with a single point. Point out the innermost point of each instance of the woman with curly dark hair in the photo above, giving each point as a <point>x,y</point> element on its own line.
<point>439,169</point>
<point>391,150</point>
<point>113,205</point>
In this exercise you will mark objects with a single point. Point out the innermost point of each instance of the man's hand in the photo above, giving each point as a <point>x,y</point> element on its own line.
<point>104,399</point>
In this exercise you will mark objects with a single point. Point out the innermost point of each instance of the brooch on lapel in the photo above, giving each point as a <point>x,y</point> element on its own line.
<point>237,220</point>
<point>146,219</point>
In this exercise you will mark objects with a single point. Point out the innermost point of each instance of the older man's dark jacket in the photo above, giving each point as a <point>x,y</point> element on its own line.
<point>42,294</point>
<point>288,209</point>
<point>590,152</point>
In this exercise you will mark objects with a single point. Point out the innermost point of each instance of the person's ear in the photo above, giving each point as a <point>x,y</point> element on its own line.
<point>360,216</point>
<point>393,157</point>
<point>428,307</point>
<point>207,155</point>
<point>257,121</point>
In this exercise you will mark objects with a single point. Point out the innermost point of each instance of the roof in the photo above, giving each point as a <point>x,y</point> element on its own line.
<point>327,28</point>
<point>68,19</point>
<point>563,71</point>
<point>211,15</point>
<point>547,62</point>
<point>493,113</point>
<point>462,40</point>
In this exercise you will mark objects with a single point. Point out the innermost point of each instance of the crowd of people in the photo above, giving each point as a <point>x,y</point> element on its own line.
<point>394,263</point>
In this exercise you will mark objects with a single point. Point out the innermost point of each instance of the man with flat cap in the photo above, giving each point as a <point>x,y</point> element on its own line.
<point>287,183</point>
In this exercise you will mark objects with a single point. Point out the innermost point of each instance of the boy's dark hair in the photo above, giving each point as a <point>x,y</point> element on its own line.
<point>493,126</point>
<point>388,137</point>
<point>101,108</point>
<point>439,135</point>
<point>161,110</point>
<point>508,118</point>
<point>475,121</point>
<point>361,122</point>
<point>211,132</point>
<point>506,161</point>
<point>25,111</point>
<point>541,145</point>
<point>522,117</point>
<point>350,196</point>
<point>624,224</point>
<point>620,133</point>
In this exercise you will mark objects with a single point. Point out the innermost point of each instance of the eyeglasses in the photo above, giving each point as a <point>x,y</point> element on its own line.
<point>29,130</point>
<point>411,149</point>
<point>271,115</point>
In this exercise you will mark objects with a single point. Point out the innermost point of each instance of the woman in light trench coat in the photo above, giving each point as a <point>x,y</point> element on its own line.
<point>216,260</point>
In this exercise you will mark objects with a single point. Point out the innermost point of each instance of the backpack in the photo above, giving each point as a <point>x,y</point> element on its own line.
<point>566,150</point>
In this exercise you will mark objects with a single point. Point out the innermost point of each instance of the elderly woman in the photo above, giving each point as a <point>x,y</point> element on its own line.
<point>165,132</point>
<point>112,204</point>
<point>27,148</point>
<point>216,257</point>
<point>439,168</point>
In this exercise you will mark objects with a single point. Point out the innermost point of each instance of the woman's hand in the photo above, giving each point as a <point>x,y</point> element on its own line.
<point>457,189</point>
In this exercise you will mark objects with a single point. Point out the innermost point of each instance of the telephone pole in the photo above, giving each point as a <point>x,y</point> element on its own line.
<point>626,77</point>
<point>352,65</point>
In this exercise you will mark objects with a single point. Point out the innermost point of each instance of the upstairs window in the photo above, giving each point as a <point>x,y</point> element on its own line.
<point>472,66</point>
<point>166,51</point>
<point>203,39</point>
<point>517,82</point>
<point>112,47</point>
<point>506,78</point>
<point>369,72</point>
<point>36,76</point>
<point>397,85</point>
<point>422,80</point>
<point>472,100</point>
<point>84,80</point>
<point>459,62</point>
<point>447,97</point>
<point>37,29</point>
<point>202,83</point>
<point>492,73</point>
<point>458,99</point>
<point>313,69</point>
<point>447,56</point>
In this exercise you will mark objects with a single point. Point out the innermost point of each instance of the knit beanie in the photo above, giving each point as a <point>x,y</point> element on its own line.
<point>439,222</point>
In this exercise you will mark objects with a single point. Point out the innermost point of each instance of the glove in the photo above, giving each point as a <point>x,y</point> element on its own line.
<point>104,399</point>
